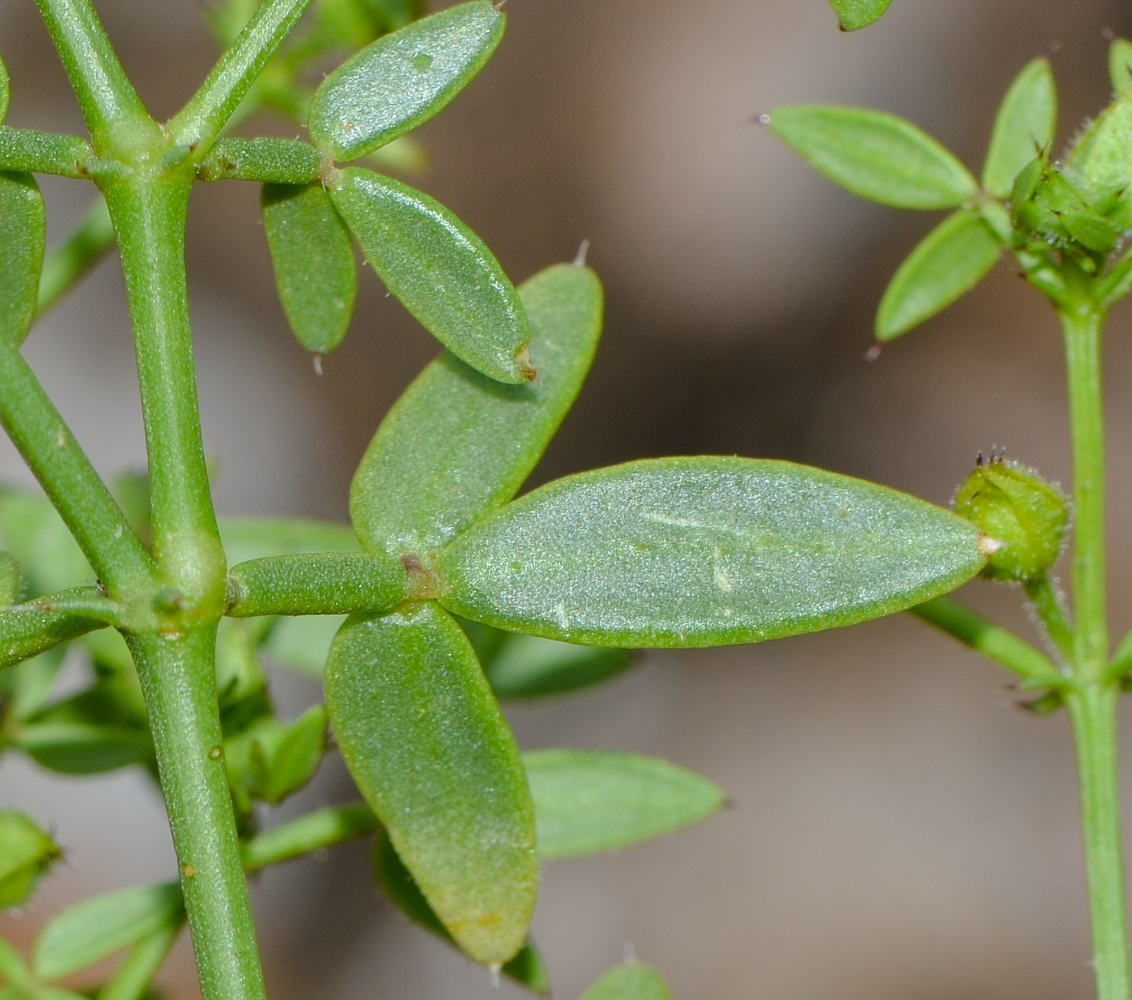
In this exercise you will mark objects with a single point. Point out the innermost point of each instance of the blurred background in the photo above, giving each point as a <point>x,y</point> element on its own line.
<point>898,828</point>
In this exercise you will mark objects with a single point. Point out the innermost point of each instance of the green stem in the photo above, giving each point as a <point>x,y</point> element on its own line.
<point>1048,607</point>
<point>81,498</point>
<point>178,677</point>
<point>1092,709</point>
<point>149,218</point>
<point>1082,327</point>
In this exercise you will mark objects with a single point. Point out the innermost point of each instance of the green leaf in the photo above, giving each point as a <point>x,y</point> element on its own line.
<point>313,260</point>
<point>403,79</point>
<point>854,14</point>
<point>23,231</point>
<point>1023,127</point>
<point>12,966</point>
<point>945,265</point>
<point>312,584</point>
<point>1119,66</point>
<point>4,91</point>
<point>529,666</point>
<point>33,532</point>
<point>1101,161</point>
<point>312,832</point>
<point>587,801</point>
<point>83,747</point>
<point>631,981</point>
<point>272,760</point>
<point>702,552</point>
<point>457,444</point>
<point>303,643</point>
<point>25,689</point>
<point>874,155</point>
<point>9,578</point>
<point>257,537</point>
<point>96,928</point>
<point>134,974</point>
<point>440,270</point>
<point>425,741</point>
<point>526,968</point>
<point>26,852</point>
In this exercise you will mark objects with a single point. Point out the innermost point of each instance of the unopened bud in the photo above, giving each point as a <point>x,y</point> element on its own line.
<point>1017,508</point>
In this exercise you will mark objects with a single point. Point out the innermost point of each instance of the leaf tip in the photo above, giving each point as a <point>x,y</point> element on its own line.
<point>523,363</point>
<point>580,256</point>
<point>988,546</point>
<point>873,353</point>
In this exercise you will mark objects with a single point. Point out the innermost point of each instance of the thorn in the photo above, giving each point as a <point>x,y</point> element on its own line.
<point>495,968</point>
<point>1051,50</point>
<point>978,460</point>
<point>874,352</point>
<point>628,953</point>
<point>580,256</point>
<point>763,119</point>
<point>316,364</point>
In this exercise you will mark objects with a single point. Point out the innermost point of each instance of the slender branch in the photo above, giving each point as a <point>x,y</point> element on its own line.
<point>1092,710</point>
<point>201,120</point>
<point>150,223</point>
<point>985,637</point>
<point>69,262</point>
<point>312,832</point>
<point>104,92</point>
<point>81,498</point>
<point>325,583</point>
<point>179,683</point>
<point>280,161</point>
<point>1048,607</point>
<point>27,630</point>
<point>1082,327</point>
<point>44,152</point>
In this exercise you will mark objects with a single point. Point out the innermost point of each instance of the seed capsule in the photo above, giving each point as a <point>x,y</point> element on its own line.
<point>1016,507</point>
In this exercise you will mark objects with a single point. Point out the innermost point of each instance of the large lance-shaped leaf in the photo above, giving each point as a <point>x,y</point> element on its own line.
<point>457,444</point>
<point>440,270</point>
<point>854,14</point>
<point>631,981</point>
<point>95,928</point>
<point>313,260</point>
<point>403,79</point>
<point>526,968</point>
<point>874,155</point>
<point>23,229</point>
<point>946,264</point>
<point>1023,127</point>
<point>588,801</point>
<point>702,552</point>
<point>430,752</point>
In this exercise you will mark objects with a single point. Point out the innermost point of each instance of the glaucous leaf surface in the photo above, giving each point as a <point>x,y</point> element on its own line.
<point>403,79</point>
<point>313,259</point>
<point>1023,127</point>
<point>26,852</point>
<point>97,927</point>
<point>874,155</point>
<point>1101,161</point>
<point>854,14</point>
<point>23,230</point>
<point>631,981</point>
<point>1119,65</point>
<point>440,270</point>
<point>588,801</point>
<point>526,968</point>
<point>430,752</point>
<point>946,264</point>
<point>703,551</point>
<point>529,666</point>
<point>257,537</point>
<point>457,444</point>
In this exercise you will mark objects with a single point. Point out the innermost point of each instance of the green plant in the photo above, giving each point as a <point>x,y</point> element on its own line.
<point>456,593</point>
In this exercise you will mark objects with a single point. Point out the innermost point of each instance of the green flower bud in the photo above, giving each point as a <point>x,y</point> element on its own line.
<point>1018,509</point>
<point>26,852</point>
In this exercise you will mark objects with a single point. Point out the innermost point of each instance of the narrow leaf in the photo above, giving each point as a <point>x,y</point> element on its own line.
<point>875,155</point>
<point>34,533</point>
<point>279,161</point>
<point>458,444</point>
<point>946,264</point>
<point>26,632</point>
<point>440,270</point>
<point>23,230</point>
<point>854,14</point>
<point>313,260</point>
<point>1023,127</point>
<point>312,832</point>
<point>631,981</point>
<point>1119,66</point>
<point>704,551</point>
<point>424,739</point>
<point>588,801</point>
<point>403,79</point>
<point>322,583</point>
<point>96,928</point>
<point>529,666</point>
<point>84,747</point>
<point>526,968</point>
<point>297,755</point>
<point>132,978</point>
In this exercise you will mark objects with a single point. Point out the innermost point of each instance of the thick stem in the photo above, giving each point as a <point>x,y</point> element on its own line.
<point>178,677</point>
<point>149,218</point>
<point>1082,327</point>
<point>1092,709</point>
